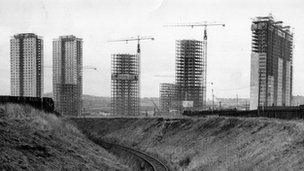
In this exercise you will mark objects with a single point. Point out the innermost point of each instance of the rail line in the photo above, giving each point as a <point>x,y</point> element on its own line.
<point>155,164</point>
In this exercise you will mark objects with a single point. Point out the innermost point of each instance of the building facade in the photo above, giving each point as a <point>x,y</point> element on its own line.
<point>26,60</point>
<point>67,75</point>
<point>125,88</point>
<point>167,97</point>
<point>271,63</point>
<point>190,76</point>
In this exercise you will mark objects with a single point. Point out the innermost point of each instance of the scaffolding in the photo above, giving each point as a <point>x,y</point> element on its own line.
<point>67,75</point>
<point>271,63</point>
<point>204,69</point>
<point>125,80</point>
<point>190,77</point>
<point>167,97</point>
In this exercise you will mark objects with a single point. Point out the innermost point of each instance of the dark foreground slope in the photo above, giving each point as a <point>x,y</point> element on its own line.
<point>33,140</point>
<point>212,143</point>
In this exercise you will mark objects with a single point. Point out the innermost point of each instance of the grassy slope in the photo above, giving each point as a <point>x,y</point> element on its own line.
<point>33,140</point>
<point>211,143</point>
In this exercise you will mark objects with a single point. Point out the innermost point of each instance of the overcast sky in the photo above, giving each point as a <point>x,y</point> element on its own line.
<point>97,21</point>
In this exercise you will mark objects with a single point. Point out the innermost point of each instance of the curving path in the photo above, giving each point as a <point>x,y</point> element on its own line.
<point>156,164</point>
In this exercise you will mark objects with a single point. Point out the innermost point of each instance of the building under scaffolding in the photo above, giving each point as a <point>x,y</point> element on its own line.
<point>125,99</point>
<point>271,63</point>
<point>190,77</point>
<point>67,74</point>
<point>167,97</point>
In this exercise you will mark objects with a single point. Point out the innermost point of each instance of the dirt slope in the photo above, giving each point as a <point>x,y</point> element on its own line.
<point>211,143</point>
<point>33,140</point>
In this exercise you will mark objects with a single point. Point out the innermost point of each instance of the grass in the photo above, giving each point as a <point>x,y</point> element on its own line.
<point>34,140</point>
<point>211,143</point>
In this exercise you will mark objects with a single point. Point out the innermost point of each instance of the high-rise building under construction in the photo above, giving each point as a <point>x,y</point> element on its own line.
<point>26,65</point>
<point>271,63</point>
<point>167,95</point>
<point>125,88</point>
<point>67,75</point>
<point>190,76</point>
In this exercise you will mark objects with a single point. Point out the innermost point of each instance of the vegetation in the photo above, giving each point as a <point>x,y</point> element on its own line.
<point>33,140</point>
<point>210,143</point>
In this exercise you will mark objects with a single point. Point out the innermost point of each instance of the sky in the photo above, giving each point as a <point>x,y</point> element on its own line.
<point>98,21</point>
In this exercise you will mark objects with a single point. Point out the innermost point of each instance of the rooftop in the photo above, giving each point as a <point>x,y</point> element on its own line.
<point>25,35</point>
<point>277,24</point>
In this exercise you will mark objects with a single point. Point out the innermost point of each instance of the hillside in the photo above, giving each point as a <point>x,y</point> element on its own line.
<point>34,140</point>
<point>211,143</point>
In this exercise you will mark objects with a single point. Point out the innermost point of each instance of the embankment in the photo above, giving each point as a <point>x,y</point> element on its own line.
<point>211,143</point>
<point>34,140</point>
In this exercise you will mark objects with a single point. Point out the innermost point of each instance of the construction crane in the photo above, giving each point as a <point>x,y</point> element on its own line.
<point>204,24</point>
<point>90,67</point>
<point>168,76</point>
<point>155,106</point>
<point>138,39</point>
<point>84,67</point>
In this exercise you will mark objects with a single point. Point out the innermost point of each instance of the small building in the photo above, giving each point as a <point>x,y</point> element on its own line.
<point>167,97</point>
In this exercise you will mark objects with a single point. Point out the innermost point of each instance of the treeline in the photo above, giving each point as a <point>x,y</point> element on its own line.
<point>293,112</point>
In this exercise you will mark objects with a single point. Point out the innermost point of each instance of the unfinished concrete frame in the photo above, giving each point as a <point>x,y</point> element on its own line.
<point>190,77</point>
<point>272,53</point>
<point>167,97</point>
<point>125,98</point>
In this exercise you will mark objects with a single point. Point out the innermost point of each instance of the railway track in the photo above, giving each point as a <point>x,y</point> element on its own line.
<point>153,162</point>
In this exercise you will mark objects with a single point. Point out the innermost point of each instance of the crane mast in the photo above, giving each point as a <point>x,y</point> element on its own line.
<point>83,67</point>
